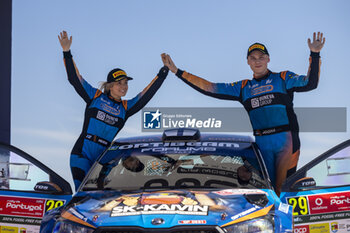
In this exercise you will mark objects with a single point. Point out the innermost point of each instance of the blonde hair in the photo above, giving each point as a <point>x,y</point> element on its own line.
<point>105,87</point>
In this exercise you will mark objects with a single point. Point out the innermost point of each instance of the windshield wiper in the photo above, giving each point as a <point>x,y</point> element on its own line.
<point>143,188</point>
<point>96,189</point>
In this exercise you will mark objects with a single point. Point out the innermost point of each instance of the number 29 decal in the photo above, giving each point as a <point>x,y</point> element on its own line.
<point>52,204</point>
<point>300,205</point>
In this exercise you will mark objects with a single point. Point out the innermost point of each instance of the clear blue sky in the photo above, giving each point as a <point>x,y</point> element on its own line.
<point>207,38</point>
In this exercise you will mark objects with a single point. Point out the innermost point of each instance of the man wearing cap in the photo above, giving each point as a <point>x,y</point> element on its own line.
<point>268,99</point>
<point>105,112</point>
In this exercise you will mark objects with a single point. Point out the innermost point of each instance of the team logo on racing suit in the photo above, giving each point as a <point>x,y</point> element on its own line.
<point>261,89</point>
<point>262,100</point>
<point>152,119</point>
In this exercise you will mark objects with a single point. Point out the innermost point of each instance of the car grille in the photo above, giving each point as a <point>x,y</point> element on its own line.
<point>197,229</point>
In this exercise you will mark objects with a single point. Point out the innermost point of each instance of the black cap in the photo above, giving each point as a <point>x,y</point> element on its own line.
<point>257,46</point>
<point>117,75</point>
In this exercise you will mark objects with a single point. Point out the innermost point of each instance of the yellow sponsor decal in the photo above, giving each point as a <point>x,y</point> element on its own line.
<point>256,46</point>
<point>319,228</point>
<point>118,73</point>
<point>5,229</point>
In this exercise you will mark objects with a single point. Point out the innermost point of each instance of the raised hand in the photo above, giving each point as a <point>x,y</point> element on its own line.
<point>64,41</point>
<point>317,43</point>
<point>164,59</point>
<point>168,62</point>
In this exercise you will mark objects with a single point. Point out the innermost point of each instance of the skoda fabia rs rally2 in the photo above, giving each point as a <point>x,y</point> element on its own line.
<point>178,181</point>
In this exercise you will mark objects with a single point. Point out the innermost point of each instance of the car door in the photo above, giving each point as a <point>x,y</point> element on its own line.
<point>320,192</point>
<point>28,189</point>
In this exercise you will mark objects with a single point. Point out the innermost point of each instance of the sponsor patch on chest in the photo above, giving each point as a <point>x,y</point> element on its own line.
<point>262,100</point>
<point>261,89</point>
<point>102,116</point>
<point>114,110</point>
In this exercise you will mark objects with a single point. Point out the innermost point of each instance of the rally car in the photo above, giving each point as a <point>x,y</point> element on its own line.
<point>180,181</point>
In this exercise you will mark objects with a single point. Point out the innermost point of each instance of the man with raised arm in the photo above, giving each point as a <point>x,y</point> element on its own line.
<point>268,99</point>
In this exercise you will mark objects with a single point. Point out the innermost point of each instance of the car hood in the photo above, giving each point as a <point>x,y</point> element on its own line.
<point>168,208</point>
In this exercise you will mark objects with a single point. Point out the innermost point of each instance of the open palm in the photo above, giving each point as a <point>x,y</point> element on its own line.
<point>317,42</point>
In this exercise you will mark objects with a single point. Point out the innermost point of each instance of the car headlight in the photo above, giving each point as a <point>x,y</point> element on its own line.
<point>70,227</point>
<point>264,225</point>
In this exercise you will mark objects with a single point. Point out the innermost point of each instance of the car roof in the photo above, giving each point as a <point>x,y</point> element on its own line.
<point>200,137</point>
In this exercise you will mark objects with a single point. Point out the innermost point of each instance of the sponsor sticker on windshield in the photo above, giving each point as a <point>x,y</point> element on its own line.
<point>180,145</point>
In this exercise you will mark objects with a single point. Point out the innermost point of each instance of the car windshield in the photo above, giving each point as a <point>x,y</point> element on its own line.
<point>204,165</point>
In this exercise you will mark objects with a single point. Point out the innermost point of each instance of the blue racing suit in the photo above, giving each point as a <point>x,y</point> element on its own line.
<point>269,103</point>
<point>104,118</point>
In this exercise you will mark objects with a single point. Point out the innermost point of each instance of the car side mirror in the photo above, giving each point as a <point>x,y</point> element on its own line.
<point>306,182</point>
<point>47,187</point>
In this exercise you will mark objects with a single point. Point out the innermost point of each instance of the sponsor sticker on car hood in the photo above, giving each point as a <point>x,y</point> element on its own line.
<point>168,208</point>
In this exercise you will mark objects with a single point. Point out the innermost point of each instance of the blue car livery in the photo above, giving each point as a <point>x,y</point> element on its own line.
<point>180,181</point>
